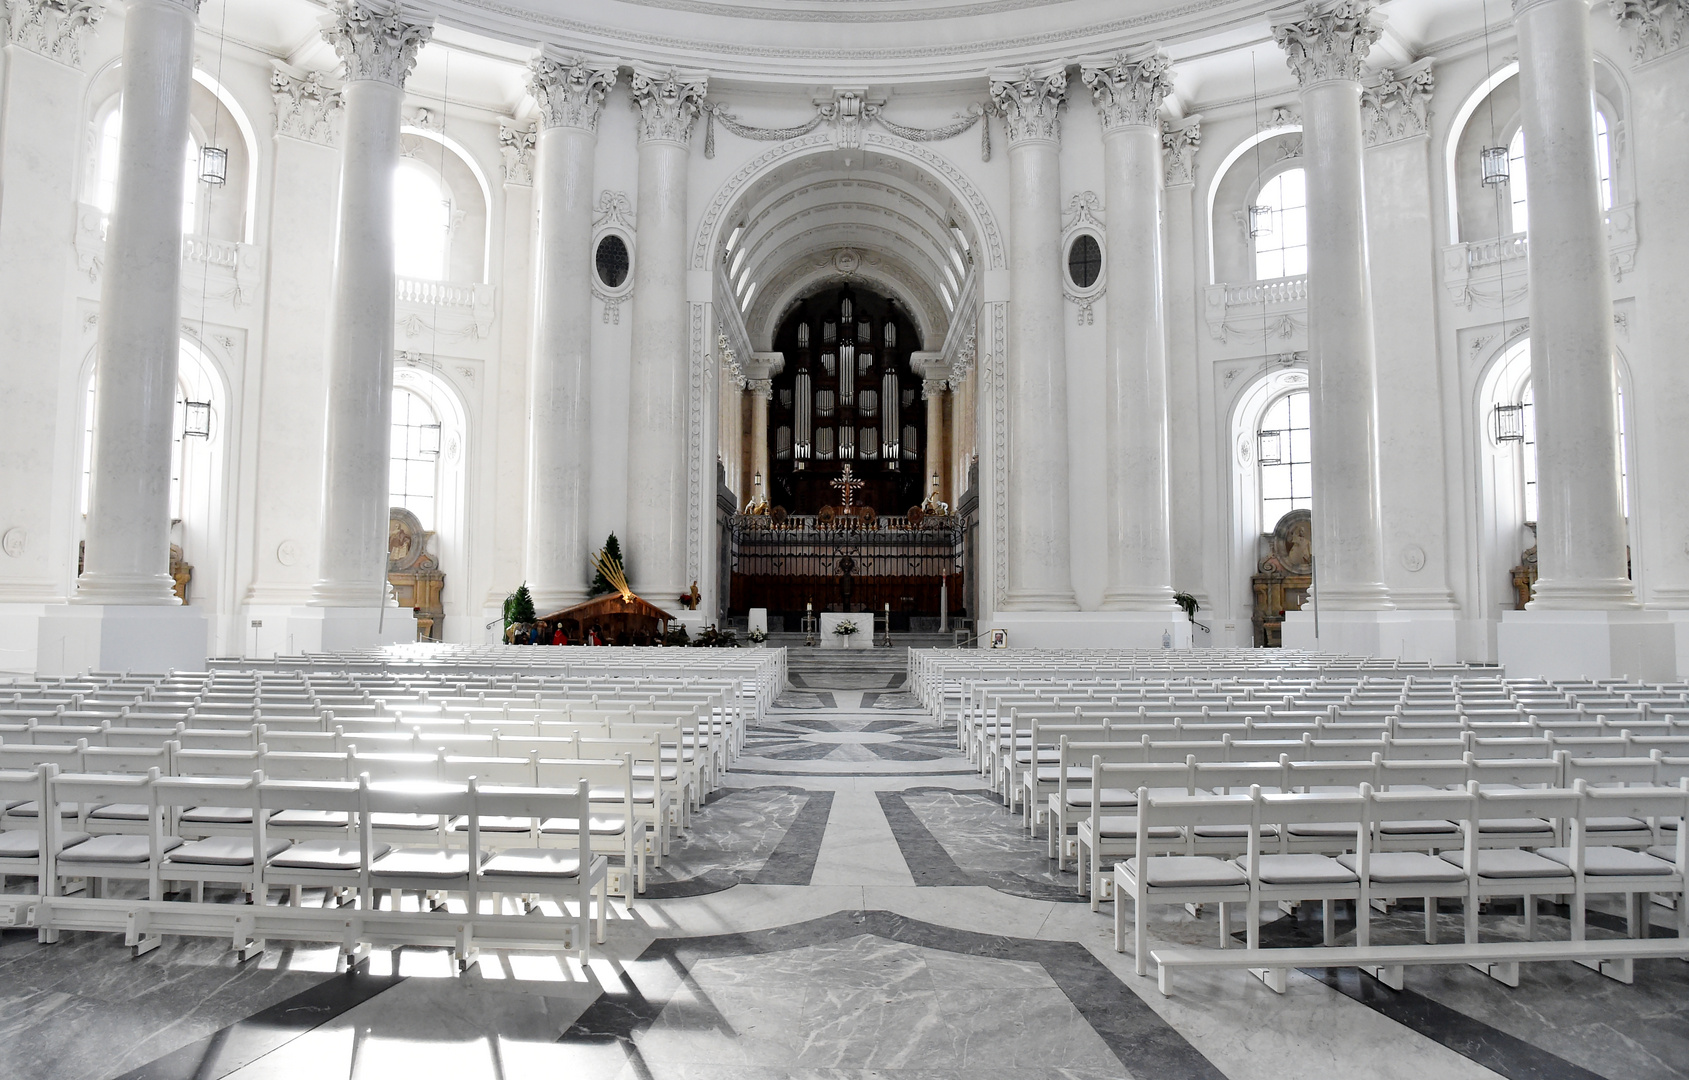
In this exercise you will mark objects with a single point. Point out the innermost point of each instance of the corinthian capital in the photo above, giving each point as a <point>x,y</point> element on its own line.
<point>1129,89</point>
<point>1326,40</point>
<point>570,90</point>
<point>1030,101</point>
<point>1180,140</point>
<point>53,28</point>
<point>667,102</point>
<point>305,108</point>
<point>375,41</point>
<point>1658,25</point>
<point>1397,104</point>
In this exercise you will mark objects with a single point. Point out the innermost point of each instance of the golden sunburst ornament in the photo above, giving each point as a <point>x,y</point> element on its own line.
<point>611,568</point>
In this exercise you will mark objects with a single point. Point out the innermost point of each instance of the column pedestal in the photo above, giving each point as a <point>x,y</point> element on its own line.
<point>1430,636</point>
<point>75,639</point>
<point>346,629</point>
<point>1093,629</point>
<point>1613,644</point>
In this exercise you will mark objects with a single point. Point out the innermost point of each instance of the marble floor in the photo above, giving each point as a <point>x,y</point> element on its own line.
<point>852,904</point>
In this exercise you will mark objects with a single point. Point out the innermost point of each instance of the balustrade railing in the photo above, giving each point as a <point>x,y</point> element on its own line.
<point>446,294</point>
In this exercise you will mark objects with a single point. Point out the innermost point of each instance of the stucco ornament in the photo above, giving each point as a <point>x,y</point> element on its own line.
<point>1030,102</point>
<point>376,42</point>
<point>53,28</point>
<point>1180,140</point>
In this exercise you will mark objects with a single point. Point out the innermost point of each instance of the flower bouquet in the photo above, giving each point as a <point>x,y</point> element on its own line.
<point>845,628</point>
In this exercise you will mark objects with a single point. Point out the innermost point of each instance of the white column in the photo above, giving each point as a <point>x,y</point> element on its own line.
<point>378,49</point>
<point>932,392</point>
<point>1128,92</point>
<point>1581,538</point>
<point>761,392</point>
<point>1325,43</point>
<point>1036,532</point>
<point>127,559</point>
<point>668,103</point>
<point>570,93</point>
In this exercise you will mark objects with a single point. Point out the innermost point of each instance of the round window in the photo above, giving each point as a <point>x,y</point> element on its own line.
<point>1084,260</point>
<point>612,260</point>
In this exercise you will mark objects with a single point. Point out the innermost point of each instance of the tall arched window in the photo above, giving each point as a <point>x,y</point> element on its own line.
<point>1516,172</point>
<point>1284,454</point>
<point>1528,459</point>
<point>414,473</point>
<point>105,189</point>
<point>1283,251</point>
<point>422,223</point>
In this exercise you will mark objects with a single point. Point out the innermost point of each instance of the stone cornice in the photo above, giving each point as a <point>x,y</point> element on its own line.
<point>1030,102</point>
<point>53,28</point>
<point>1326,40</point>
<point>667,102</point>
<point>1397,104</point>
<point>305,108</point>
<point>570,90</point>
<point>1658,25</point>
<point>1180,140</point>
<point>1129,89</point>
<point>375,42</point>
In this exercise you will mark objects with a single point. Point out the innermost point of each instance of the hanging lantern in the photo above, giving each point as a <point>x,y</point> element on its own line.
<point>213,165</point>
<point>1269,447</point>
<point>1260,221</point>
<point>196,419</point>
<point>1509,423</point>
<point>1493,160</point>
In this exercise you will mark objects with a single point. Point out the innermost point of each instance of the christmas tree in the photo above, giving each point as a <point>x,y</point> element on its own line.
<point>519,606</point>
<point>613,553</point>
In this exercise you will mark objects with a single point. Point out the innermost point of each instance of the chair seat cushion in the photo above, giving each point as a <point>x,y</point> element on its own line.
<point>1400,867</point>
<point>117,849</point>
<point>534,862</point>
<point>1668,852</point>
<point>1417,828</point>
<point>643,772</point>
<point>597,826</point>
<point>1051,774</point>
<point>422,862</point>
<point>224,851</point>
<point>1510,863</point>
<point>1611,861</point>
<point>120,812</point>
<point>1124,828</point>
<point>1614,824</point>
<point>26,843</point>
<point>1189,872</point>
<point>1081,796</point>
<point>325,855</point>
<point>1232,832</point>
<point>1514,825</point>
<point>1301,870</point>
<point>1340,830</point>
<point>642,793</point>
<point>493,823</point>
<point>417,822</point>
<point>310,819</point>
<point>219,815</point>
<point>32,809</point>
<point>1024,757</point>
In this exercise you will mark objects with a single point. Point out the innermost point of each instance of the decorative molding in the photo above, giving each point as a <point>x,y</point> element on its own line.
<point>570,91</point>
<point>613,214</point>
<point>964,358</point>
<point>1084,215</point>
<point>1281,116</point>
<point>712,112</point>
<point>1398,105</point>
<point>849,112</point>
<point>1658,25</point>
<point>1128,91</point>
<point>376,44</point>
<point>1030,102</point>
<point>53,28</point>
<point>614,209</point>
<point>1180,140</point>
<point>667,102</point>
<point>307,109</point>
<point>1258,309</point>
<point>1327,40</point>
<point>933,389</point>
<point>700,376</point>
<point>517,146</point>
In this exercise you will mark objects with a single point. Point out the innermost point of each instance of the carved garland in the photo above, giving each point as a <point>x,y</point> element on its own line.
<point>849,114</point>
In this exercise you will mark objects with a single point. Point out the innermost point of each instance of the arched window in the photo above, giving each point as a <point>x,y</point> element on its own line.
<point>414,472</point>
<point>105,184</point>
<point>1281,250</point>
<point>1284,455</point>
<point>183,425</point>
<point>422,224</point>
<point>1528,459</point>
<point>1516,172</point>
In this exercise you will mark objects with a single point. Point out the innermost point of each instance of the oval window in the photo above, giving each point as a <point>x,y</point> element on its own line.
<point>612,260</point>
<point>1084,261</point>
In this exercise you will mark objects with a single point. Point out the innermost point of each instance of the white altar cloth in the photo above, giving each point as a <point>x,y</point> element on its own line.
<point>862,639</point>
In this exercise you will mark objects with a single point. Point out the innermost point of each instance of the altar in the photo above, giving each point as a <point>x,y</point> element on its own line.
<point>862,639</point>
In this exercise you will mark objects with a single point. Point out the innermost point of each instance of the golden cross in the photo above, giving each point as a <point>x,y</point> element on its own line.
<point>847,485</point>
